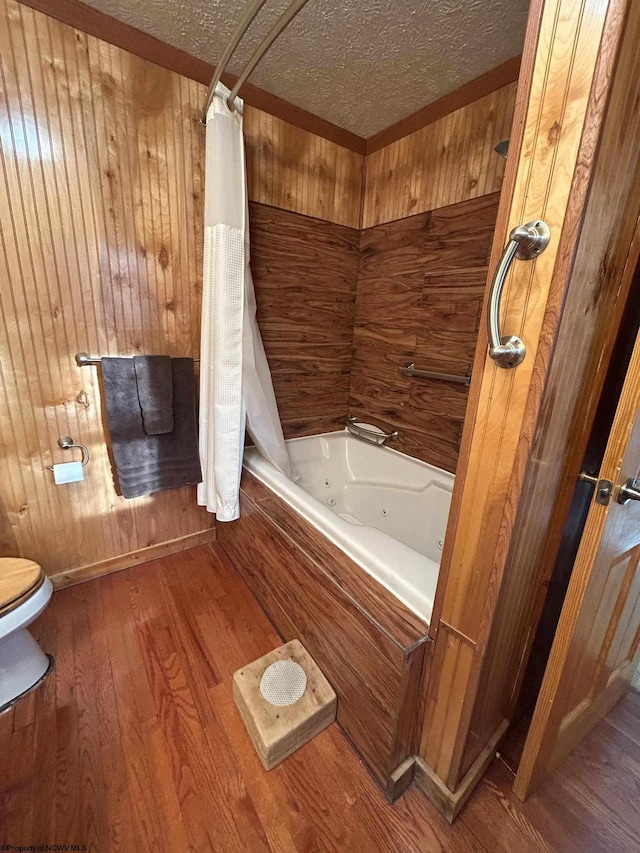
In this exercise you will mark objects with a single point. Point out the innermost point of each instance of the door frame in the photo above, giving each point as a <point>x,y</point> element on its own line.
<point>567,76</point>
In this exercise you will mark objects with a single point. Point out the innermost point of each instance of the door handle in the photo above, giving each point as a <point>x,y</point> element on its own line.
<point>525,242</point>
<point>629,491</point>
<point>604,488</point>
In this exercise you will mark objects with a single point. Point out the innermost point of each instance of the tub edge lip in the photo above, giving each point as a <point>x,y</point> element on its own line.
<point>317,515</point>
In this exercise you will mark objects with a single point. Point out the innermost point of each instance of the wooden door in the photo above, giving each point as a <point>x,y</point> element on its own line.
<point>592,659</point>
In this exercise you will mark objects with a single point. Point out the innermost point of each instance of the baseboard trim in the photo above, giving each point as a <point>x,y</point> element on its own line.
<point>400,779</point>
<point>449,803</point>
<point>133,558</point>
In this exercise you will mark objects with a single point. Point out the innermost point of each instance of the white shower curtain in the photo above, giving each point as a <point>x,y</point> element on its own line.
<point>235,382</point>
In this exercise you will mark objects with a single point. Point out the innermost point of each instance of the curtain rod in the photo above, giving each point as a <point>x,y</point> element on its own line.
<point>243,25</point>
<point>280,25</point>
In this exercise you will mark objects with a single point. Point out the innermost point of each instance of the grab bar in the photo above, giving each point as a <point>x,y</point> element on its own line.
<point>370,435</point>
<point>412,370</point>
<point>525,242</point>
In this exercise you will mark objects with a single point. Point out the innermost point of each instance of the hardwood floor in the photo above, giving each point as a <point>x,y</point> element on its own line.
<point>135,744</point>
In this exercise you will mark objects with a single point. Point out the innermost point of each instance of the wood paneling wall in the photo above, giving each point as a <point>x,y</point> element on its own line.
<point>419,299</point>
<point>101,242</point>
<point>295,170</point>
<point>101,210</point>
<point>103,178</point>
<point>305,273</point>
<point>449,161</point>
<point>600,281</point>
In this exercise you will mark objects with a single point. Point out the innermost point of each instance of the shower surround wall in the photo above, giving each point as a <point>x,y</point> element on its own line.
<point>101,212</point>
<point>429,210</point>
<point>419,300</point>
<point>305,274</point>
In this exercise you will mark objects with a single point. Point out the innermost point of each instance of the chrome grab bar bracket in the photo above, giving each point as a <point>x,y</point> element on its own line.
<point>370,435</point>
<point>525,242</point>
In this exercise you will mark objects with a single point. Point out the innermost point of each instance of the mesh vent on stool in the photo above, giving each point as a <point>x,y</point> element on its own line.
<point>283,683</point>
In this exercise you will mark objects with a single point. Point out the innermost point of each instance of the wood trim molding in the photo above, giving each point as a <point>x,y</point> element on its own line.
<point>450,803</point>
<point>133,558</point>
<point>472,91</point>
<point>109,29</point>
<point>400,779</point>
<point>551,181</point>
<point>592,307</point>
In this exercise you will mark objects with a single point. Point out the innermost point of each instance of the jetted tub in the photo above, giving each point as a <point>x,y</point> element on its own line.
<point>385,510</point>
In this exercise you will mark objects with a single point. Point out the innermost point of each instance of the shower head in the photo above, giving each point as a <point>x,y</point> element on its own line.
<point>502,148</point>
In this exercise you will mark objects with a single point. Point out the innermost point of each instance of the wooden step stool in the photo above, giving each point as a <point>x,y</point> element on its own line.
<point>278,730</point>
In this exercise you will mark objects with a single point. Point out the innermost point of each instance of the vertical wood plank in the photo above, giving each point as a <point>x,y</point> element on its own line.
<point>550,180</point>
<point>446,162</point>
<point>102,166</point>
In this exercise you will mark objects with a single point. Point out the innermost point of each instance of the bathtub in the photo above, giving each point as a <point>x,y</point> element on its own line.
<point>387,511</point>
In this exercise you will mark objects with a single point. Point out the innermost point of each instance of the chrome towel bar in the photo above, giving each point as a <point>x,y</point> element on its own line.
<point>412,370</point>
<point>83,359</point>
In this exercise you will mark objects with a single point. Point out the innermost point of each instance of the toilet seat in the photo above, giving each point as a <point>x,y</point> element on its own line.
<point>19,579</point>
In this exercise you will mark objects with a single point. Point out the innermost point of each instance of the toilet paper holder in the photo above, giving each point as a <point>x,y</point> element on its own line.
<point>66,443</point>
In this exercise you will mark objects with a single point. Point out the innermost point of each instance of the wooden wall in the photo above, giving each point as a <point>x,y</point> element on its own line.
<point>565,83</point>
<point>601,278</point>
<point>305,274</point>
<point>295,170</point>
<point>101,210</point>
<point>429,208</point>
<point>448,161</point>
<point>101,219</point>
<point>419,299</point>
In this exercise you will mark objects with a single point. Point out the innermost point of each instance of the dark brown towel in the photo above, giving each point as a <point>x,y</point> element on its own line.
<point>151,463</point>
<point>154,384</point>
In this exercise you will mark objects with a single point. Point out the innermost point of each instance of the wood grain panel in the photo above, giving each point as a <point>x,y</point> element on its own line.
<point>102,174</point>
<point>101,212</point>
<point>449,161</point>
<point>548,177</point>
<point>393,618</point>
<point>370,647</point>
<point>293,169</point>
<point>420,288</point>
<point>305,273</point>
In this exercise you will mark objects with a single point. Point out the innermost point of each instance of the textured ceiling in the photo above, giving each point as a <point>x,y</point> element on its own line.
<point>362,65</point>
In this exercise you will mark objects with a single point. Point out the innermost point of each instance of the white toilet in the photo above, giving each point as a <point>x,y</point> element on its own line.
<point>24,593</point>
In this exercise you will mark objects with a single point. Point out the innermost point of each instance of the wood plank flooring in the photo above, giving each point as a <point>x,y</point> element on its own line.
<point>134,744</point>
